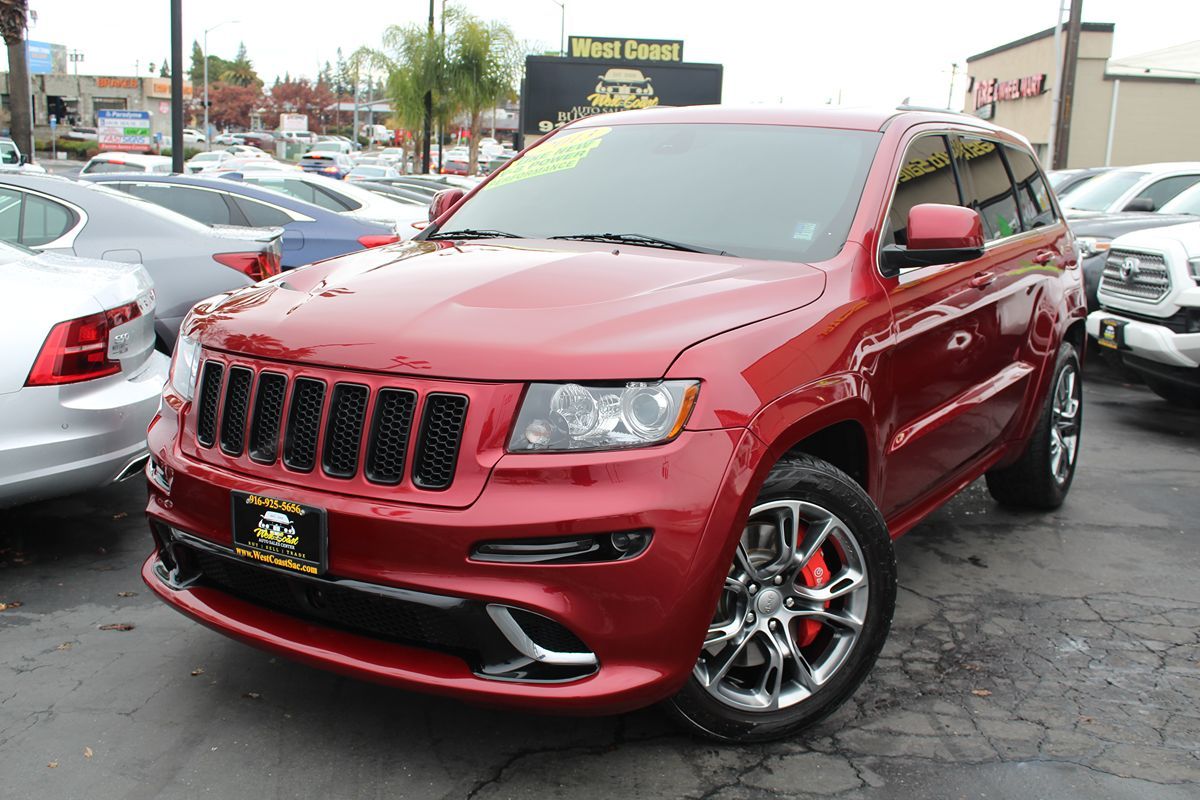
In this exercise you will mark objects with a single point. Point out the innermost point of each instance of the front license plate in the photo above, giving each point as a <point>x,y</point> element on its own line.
<point>279,533</point>
<point>1112,334</point>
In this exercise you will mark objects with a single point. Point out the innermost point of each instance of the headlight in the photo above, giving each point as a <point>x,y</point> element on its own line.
<point>185,363</point>
<point>1092,245</point>
<point>557,417</point>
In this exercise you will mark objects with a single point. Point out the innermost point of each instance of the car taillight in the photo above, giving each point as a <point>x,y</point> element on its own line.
<point>77,350</point>
<point>378,239</point>
<point>255,266</point>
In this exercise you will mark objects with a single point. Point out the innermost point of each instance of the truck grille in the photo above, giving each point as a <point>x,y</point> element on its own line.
<point>314,422</point>
<point>1140,275</point>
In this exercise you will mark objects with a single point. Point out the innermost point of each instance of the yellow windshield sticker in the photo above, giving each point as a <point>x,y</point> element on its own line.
<point>560,153</point>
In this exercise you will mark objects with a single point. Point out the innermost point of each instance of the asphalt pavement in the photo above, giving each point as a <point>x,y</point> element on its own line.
<point>1032,656</point>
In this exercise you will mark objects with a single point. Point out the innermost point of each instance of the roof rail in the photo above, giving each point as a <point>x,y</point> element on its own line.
<point>935,109</point>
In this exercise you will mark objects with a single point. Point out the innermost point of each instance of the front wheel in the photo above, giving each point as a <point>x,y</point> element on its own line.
<point>806,608</point>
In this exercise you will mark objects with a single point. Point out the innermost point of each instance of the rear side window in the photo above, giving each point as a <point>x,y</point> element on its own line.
<point>103,167</point>
<point>200,205</point>
<point>43,221</point>
<point>1033,197</point>
<point>10,215</point>
<point>260,215</point>
<point>991,190</point>
<point>301,191</point>
<point>927,176</point>
<point>1162,192</point>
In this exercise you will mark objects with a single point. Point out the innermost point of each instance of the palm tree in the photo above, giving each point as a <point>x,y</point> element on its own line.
<point>240,72</point>
<point>14,16</point>
<point>482,68</point>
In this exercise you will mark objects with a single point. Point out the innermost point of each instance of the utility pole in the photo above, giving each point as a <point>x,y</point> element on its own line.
<point>1062,138</point>
<point>208,137</point>
<point>953,77</point>
<point>177,85</point>
<point>428,105</point>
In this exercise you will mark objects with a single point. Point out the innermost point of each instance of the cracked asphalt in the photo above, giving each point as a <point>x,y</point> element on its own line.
<point>1032,656</point>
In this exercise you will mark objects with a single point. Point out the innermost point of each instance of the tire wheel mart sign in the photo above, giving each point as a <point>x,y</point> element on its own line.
<point>123,130</point>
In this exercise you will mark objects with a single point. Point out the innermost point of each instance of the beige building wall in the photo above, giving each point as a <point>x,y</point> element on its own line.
<point>1157,119</point>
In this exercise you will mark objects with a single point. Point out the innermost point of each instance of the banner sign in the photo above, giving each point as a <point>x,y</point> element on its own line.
<point>123,130</point>
<point>599,48</point>
<point>41,56</point>
<point>559,90</point>
<point>992,90</point>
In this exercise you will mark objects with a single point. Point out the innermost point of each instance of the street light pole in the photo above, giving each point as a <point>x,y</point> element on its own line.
<point>207,137</point>
<point>562,26</point>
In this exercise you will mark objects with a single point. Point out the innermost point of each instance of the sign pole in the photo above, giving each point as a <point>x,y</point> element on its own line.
<point>177,85</point>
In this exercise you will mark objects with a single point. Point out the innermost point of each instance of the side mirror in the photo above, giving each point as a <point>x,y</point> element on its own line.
<point>443,201</point>
<point>937,234</point>
<point>23,160</point>
<point>1140,204</point>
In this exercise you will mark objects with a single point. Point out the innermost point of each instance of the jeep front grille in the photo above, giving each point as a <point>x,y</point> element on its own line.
<point>344,427</point>
<point>1143,276</point>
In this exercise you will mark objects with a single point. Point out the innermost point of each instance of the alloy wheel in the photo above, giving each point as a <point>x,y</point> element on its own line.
<point>1064,424</point>
<point>791,611</point>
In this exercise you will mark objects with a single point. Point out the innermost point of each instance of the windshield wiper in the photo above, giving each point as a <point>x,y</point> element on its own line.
<point>474,233</point>
<point>640,239</point>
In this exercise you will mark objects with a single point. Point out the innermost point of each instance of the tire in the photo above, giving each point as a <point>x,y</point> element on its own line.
<point>1174,393</point>
<point>828,598</point>
<point>1040,479</point>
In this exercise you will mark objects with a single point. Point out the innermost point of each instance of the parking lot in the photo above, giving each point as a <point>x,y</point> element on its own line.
<point>1031,656</point>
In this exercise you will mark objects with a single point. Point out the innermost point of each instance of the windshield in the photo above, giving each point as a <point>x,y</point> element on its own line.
<point>1101,192</point>
<point>1186,202</point>
<point>684,184</point>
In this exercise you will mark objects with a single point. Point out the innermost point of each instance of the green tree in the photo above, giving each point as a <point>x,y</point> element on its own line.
<point>165,70</point>
<point>482,69</point>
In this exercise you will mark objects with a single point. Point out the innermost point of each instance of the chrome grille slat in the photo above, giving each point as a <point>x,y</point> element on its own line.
<point>1150,281</point>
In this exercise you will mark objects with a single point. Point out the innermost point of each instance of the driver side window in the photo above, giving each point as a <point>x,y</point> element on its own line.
<point>926,176</point>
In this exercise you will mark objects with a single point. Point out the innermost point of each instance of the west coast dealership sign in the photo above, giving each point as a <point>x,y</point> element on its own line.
<point>604,49</point>
<point>992,90</point>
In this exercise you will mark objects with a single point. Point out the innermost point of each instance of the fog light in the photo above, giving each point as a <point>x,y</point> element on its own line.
<point>630,542</point>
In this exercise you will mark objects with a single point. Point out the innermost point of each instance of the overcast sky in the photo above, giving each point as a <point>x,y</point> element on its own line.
<point>796,52</point>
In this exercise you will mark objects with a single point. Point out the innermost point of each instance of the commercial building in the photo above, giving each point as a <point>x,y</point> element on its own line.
<point>75,99</point>
<point>1133,110</point>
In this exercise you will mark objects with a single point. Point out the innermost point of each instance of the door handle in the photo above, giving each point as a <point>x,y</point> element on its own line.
<point>1044,257</point>
<point>982,280</point>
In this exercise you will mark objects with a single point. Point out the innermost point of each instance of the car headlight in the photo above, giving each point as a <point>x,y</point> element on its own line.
<point>185,364</point>
<point>559,417</point>
<point>1092,245</point>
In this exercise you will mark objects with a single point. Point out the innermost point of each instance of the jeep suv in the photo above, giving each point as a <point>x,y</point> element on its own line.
<point>610,433</point>
<point>1150,309</point>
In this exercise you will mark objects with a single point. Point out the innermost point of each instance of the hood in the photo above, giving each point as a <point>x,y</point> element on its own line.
<point>1160,237</point>
<point>1113,225</point>
<point>502,310</point>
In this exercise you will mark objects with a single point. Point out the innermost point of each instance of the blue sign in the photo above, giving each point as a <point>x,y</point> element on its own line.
<point>40,57</point>
<point>53,123</point>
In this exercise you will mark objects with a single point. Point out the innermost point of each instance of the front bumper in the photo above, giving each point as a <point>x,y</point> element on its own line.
<point>643,618</point>
<point>1150,341</point>
<point>56,440</point>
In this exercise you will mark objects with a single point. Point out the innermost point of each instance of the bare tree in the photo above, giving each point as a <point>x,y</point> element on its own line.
<point>14,17</point>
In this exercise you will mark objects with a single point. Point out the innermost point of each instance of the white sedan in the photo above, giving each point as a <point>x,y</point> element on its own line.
<point>80,378</point>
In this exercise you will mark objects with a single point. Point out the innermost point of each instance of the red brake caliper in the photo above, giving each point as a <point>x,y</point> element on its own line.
<point>814,575</point>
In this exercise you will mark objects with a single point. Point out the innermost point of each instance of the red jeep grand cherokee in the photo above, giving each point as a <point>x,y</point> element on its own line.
<point>627,424</point>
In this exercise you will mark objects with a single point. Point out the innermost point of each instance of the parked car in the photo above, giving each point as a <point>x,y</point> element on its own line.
<point>368,172</point>
<point>262,163</point>
<point>80,378</point>
<point>496,162</point>
<point>260,139</point>
<point>226,139</point>
<point>331,145</point>
<point>1149,311</point>
<point>246,151</point>
<point>337,196</point>
<point>110,162</point>
<point>331,165</point>
<point>188,261</point>
<point>193,136</point>
<point>1146,187</point>
<point>1094,235</point>
<point>393,156</point>
<point>406,195</point>
<point>1064,181</point>
<point>642,442</point>
<point>311,233</point>
<point>456,162</point>
<point>82,133</point>
<point>208,160</point>
<point>12,159</point>
<point>306,137</point>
